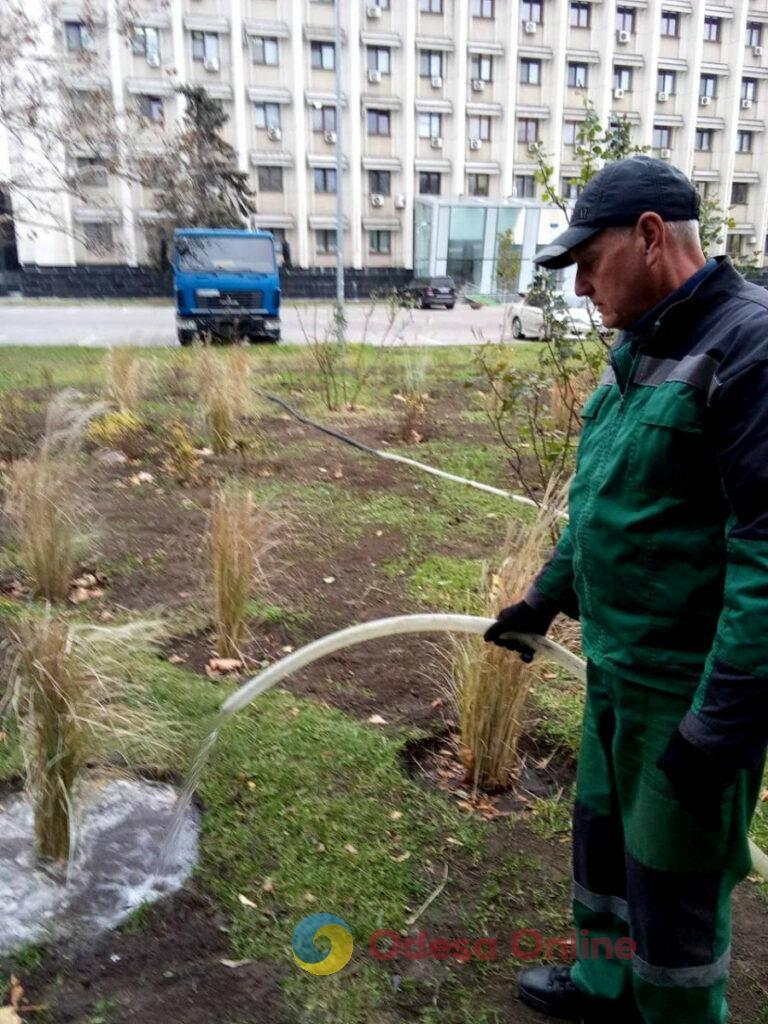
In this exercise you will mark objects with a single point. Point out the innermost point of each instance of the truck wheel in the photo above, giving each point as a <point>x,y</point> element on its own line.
<point>186,337</point>
<point>257,339</point>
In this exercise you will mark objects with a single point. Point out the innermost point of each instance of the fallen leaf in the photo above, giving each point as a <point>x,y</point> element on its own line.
<point>400,857</point>
<point>379,533</point>
<point>377,720</point>
<point>764,795</point>
<point>310,897</point>
<point>350,848</point>
<point>338,475</point>
<point>268,885</point>
<point>453,842</point>
<point>294,712</point>
<point>176,659</point>
<point>395,815</point>
<point>437,702</point>
<point>222,666</point>
<point>105,615</point>
<point>329,579</point>
<point>320,848</point>
<point>245,901</point>
<point>287,649</point>
<point>234,964</point>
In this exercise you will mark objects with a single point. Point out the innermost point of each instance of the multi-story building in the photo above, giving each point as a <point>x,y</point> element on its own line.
<point>440,97</point>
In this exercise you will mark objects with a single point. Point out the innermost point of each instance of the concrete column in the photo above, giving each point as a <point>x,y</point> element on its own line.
<point>560,19</point>
<point>506,123</point>
<point>459,97</point>
<point>732,89</point>
<point>408,176</point>
<point>649,46</point>
<point>693,24</point>
<point>115,43</point>
<point>179,51</point>
<point>354,179</point>
<point>238,85</point>
<point>298,58</point>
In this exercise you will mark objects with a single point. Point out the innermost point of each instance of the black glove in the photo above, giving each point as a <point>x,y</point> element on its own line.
<point>519,618</point>
<point>698,779</point>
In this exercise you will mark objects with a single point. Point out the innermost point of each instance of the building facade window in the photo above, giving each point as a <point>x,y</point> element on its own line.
<point>666,81</point>
<point>481,67</point>
<point>431,6</point>
<point>380,243</point>
<point>622,78</point>
<point>532,10</point>
<point>78,37</point>
<point>323,56</point>
<point>325,240</point>
<point>429,183</point>
<point>749,89</point>
<point>205,47</point>
<point>577,75</point>
<point>324,179</point>
<point>708,86</point>
<point>525,186</point>
<point>625,19</point>
<point>150,107</point>
<point>530,71</point>
<point>744,142</point>
<point>270,179</point>
<point>570,131</point>
<point>380,182</point>
<point>527,129</point>
<point>578,15</point>
<point>430,125</point>
<point>739,193</point>
<point>92,171</point>
<point>478,184</point>
<point>670,24</point>
<point>662,137</point>
<point>570,189</point>
<point>267,115</point>
<point>324,119</point>
<point>430,64</point>
<point>703,140</point>
<point>479,127</point>
<point>379,122</point>
<point>379,59</point>
<point>145,42</point>
<point>482,9</point>
<point>733,245</point>
<point>265,50</point>
<point>754,33</point>
<point>98,236</point>
<point>711,30</point>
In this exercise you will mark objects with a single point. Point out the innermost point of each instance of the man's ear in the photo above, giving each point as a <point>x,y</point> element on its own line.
<point>651,229</point>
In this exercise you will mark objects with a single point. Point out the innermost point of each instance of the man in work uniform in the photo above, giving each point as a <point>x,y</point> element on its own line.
<point>665,562</point>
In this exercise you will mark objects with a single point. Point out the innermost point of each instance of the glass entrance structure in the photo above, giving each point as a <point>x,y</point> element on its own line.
<point>486,246</point>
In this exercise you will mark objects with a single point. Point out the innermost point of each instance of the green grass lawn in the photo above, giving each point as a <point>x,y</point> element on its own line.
<point>307,806</point>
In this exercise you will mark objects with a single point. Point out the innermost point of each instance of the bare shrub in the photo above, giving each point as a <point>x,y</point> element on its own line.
<point>490,683</point>
<point>240,533</point>
<point>128,377</point>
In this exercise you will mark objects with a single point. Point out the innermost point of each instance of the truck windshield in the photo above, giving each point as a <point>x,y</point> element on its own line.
<point>209,252</point>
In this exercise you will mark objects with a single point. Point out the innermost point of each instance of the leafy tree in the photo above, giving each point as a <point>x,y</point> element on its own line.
<point>508,262</point>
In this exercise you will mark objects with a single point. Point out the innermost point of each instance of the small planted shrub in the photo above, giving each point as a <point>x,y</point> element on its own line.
<point>76,705</point>
<point>491,684</point>
<point>240,533</point>
<point>42,506</point>
<point>223,388</point>
<point>413,396</point>
<point>122,431</point>
<point>127,378</point>
<point>181,458</point>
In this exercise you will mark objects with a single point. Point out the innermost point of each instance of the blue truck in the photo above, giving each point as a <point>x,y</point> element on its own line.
<point>226,284</point>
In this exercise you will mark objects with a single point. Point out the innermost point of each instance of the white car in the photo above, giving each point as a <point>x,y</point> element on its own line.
<point>526,317</point>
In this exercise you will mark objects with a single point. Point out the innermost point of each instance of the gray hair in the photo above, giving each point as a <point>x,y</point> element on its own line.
<point>684,232</point>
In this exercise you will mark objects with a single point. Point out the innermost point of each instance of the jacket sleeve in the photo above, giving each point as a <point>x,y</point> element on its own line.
<point>729,714</point>
<point>553,586</point>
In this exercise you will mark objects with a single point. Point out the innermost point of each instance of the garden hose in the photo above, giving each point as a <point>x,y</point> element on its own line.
<point>401,624</point>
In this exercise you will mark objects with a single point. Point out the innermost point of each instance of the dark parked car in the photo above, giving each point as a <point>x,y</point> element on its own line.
<point>431,291</point>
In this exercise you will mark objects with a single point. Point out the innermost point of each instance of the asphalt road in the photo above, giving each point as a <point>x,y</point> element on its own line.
<point>95,324</point>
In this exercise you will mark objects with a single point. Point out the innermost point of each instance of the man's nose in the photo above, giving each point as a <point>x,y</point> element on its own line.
<point>582,285</point>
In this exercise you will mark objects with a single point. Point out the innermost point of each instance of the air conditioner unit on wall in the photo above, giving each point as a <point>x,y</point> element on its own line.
<point>530,28</point>
<point>622,36</point>
<point>330,138</point>
<point>377,199</point>
<point>274,133</point>
<point>211,64</point>
<point>746,104</point>
<point>705,101</point>
<point>153,60</point>
<point>662,97</point>
<point>374,76</point>
<point>665,154</point>
<point>532,147</point>
<point>477,85</point>
<point>437,81</point>
<point>757,51</point>
<point>436,142</point>
<point>400,201</point>
<point>618,94</point>
<point>373,11</point>
<point>475,143</point>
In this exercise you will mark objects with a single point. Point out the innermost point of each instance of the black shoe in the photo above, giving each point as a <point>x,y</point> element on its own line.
<point>550,990</point>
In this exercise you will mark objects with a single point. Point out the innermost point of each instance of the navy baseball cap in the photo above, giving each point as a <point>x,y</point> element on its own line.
<point>617,195</point>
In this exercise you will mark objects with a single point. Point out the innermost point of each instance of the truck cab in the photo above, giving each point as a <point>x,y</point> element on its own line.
<point>226,284</point>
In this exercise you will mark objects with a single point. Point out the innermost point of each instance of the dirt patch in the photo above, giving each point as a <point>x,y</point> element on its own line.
<point>170,970</point>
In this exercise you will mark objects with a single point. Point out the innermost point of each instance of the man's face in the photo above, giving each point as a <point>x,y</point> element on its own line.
<point>611,271</point>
